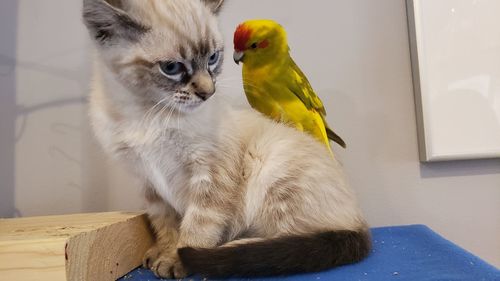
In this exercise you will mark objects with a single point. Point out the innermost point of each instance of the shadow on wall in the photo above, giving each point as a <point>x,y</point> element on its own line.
<point>460,168</point>
<point>8,22</point>
<point>13,116</point>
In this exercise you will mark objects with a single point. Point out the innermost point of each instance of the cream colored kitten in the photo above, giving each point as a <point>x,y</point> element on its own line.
<point>230,192</point>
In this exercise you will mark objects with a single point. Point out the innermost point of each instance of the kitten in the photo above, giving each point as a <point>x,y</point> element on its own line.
<point>229,192</point>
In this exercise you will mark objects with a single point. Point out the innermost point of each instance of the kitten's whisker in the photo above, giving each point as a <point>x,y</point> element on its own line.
<point>228,81</point>
<point>229,76</point>
<point>228,86</point>
<point>151,129</point>
<point>165,125</point>
<point>158,115</point>
<point>150,111</point>
<point>178,117</point>
<point>167,120</point>
<point>164,130</point>
<point>239,89</point>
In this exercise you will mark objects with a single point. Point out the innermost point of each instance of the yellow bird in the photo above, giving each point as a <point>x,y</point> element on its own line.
<point>274,84</point>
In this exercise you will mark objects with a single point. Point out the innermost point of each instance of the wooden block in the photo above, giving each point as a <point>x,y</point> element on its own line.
<point>86,247</point>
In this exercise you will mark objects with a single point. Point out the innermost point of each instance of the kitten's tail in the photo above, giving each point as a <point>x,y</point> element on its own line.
<point>279,256</point>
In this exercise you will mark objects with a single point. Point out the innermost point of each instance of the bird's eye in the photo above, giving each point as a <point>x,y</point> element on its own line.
<point>172,69</point>
<point>214,59</point>
<point>253,46</point>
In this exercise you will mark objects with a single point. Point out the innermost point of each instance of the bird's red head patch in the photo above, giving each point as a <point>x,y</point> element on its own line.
<point>241,37</point>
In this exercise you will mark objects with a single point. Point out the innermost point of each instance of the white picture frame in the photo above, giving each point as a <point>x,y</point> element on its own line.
<point>455,53</point>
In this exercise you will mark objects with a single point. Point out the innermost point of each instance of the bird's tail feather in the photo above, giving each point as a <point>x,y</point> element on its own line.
<point>334,137</point>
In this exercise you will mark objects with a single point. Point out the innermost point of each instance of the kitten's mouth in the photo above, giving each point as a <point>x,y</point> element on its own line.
<point>189,101</point>
<point>188,104</point>
<point>192,105</point>
<point>189,107</point>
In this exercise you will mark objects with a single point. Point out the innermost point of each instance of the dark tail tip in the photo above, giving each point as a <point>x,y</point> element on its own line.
<point>279,256</point>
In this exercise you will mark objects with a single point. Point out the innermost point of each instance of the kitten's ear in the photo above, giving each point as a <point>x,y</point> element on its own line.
<point>107,23</point>
<point>214,5</point>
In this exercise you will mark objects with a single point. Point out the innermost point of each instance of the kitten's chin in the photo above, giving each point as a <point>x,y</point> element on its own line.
<point>189,108</point>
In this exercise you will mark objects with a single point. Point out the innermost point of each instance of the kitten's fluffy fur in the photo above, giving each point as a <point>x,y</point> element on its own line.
<point>230,192</point>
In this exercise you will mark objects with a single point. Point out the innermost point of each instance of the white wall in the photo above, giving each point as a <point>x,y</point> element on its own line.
<point>49,162</point>
<point>355,54</point>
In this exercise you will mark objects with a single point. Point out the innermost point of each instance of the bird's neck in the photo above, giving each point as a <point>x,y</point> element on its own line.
<point>271,66</point>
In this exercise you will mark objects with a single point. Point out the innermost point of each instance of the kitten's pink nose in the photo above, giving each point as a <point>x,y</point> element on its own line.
<point>203,86</point>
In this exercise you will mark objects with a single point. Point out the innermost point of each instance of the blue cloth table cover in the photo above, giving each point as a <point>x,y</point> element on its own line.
<point>410,253</point>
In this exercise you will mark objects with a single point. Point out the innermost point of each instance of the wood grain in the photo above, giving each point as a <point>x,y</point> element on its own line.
<point>101,246</point>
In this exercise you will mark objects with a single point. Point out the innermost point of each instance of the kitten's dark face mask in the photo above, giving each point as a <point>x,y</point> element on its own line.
<point>189,83</point>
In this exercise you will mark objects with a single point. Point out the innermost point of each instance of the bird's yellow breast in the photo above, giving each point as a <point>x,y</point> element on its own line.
<point>267,91</point>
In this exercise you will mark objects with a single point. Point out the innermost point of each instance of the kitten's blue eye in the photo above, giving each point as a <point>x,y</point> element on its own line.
<point>172,68</point>
<point>214,58</point>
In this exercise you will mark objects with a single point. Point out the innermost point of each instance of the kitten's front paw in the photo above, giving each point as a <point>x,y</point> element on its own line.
<point>169,266</point>
<point>151,256</point>
<point>164,264</point>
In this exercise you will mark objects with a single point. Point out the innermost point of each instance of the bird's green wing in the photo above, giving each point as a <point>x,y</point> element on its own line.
<point>301,87</point>
<point>303,90</point>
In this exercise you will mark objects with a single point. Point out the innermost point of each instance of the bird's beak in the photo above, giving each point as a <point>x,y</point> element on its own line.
<point>238,56</point>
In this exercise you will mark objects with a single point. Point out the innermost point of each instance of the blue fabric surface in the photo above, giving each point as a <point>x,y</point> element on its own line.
<point>399,253</point>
